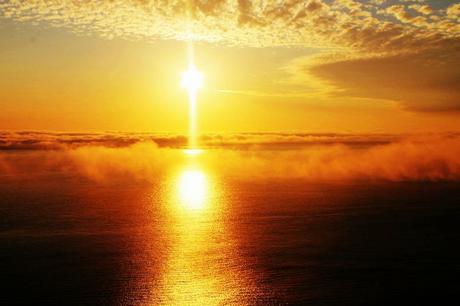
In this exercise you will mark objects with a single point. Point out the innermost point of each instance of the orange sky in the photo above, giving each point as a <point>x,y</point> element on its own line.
<point>317,66</point>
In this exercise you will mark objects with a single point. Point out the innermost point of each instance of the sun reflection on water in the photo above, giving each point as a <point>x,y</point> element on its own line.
<point>202,266</point>
<point>193,189</point>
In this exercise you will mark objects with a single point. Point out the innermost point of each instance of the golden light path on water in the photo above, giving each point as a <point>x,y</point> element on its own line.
<point>203,265</point>
<point>193,189</point>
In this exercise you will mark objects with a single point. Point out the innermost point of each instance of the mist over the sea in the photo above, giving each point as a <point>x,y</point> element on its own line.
<point>253,219</point>
<point>330,157</point>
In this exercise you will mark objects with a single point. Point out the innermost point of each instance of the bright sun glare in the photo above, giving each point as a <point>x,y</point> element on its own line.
<point>192,189</point>
<point>192,79</point>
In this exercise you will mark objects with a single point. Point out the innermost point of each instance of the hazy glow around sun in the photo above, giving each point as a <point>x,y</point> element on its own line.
<point>192,79</point>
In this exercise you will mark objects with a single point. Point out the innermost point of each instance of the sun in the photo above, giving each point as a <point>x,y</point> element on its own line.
<point>192,79</point>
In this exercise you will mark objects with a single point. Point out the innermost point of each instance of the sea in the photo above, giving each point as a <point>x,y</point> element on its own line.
<point>194,236</point>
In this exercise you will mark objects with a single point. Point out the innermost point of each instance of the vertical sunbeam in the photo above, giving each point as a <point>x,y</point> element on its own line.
<point>192,140</point>
<point>192,80</point>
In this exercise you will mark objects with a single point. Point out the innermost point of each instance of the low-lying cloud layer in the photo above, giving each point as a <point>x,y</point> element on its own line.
<point>326,157</point>
<point>30,140</point>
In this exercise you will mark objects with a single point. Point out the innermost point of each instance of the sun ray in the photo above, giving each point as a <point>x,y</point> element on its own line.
<point>192,81</point>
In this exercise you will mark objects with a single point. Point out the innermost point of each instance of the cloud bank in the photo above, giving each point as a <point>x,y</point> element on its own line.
<point>326,157</point>
<point>423,81</point>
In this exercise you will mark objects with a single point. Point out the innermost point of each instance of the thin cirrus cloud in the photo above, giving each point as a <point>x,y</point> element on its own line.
<point>368,39</point>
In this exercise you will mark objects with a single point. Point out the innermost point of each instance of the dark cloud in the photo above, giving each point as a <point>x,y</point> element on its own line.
<point>422,81</point>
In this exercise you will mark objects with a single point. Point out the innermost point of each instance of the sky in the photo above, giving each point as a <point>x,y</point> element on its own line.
<point>341,66</point>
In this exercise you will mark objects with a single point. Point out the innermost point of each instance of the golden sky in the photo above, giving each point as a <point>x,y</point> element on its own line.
<point>317,66</point>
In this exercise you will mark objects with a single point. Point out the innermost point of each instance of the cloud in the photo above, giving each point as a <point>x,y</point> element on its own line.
<point>47,141</point>
<point>422,81</point>
<point>370,32</point>
<point>235,22</point>
<point>32,140</point>
<point>340,157</point>
<point>422,9</point>
<point>400,12</point>
<point>453,11</point>
<point>426,158</point>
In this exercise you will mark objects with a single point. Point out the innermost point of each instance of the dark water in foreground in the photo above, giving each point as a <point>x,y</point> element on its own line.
<point>199,240</point>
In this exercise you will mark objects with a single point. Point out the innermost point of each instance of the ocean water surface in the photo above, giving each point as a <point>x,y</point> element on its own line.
<point>195,236</point>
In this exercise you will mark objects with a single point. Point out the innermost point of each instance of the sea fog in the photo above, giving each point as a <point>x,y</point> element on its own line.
<point>251,219</point>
